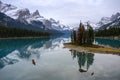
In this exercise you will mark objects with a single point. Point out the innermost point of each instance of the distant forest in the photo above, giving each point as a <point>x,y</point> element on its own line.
<point>112,31</point>
<point>6,32</point>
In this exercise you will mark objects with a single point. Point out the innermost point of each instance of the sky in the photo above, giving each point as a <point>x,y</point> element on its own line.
<point>70,12</point>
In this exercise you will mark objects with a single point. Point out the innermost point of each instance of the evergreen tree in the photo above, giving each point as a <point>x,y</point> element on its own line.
<point>112,31</point>
<point>80,34</point>
<point>83,36</point>
<point>90,37</point>
<point>6,32</point>
<point>73,36</point>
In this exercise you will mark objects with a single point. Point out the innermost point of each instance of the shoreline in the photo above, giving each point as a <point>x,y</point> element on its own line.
<point>111,37</point>
<point>93,49</point>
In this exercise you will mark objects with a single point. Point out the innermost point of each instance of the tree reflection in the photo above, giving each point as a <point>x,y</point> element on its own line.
<point>84,60</point>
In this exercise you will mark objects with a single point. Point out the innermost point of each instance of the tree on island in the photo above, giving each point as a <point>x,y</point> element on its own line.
<point>73,36</point>
<point>80,35</point>
<point>90,34</point>
<point>84,36</point>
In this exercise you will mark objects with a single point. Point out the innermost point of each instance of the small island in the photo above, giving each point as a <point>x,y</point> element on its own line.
<point>82,41</point>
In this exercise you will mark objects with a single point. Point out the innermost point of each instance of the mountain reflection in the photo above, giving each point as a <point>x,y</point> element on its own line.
<point>84,60</point>
<point>15,50</point>
<point>9,45</point>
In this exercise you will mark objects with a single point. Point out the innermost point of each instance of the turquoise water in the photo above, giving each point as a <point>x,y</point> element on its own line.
<point>54,62</point>
<point>109,42</point>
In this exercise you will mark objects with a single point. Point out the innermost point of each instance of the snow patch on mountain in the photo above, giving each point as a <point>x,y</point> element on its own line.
<point>25,16</point>
<point>22,13</point>
<point>113,21</point>
<point>6,7</point>
<point>106,20</point>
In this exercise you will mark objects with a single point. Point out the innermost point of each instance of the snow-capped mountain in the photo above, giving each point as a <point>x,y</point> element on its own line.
<point>10,22</point>
<point>103,21</point>
<point>115,16</point>
<point>22,13</point>
<point>6,7</point>
<point>115,23</point>
<point>106,22</point>
<point>57,25</point>
<point>33,19</point>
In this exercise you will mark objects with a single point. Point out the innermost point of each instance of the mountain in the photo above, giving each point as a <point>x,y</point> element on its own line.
<point>103,21</point>
<point>23,18</point>
<point>6,7</point>
<point>106,22</point>
<point>10,22</point>
<point>115,23</point>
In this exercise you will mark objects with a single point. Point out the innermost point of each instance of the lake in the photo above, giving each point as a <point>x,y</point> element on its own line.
<point>47,59</point>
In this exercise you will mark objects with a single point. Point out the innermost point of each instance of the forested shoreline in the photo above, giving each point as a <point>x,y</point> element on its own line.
<point>112,31</point>
<point>6,32</point>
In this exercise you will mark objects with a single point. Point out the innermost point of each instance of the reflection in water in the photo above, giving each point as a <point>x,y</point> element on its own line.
<point>14,50</point>
<point>53,62</point>
<point>84,60</point>
<point>9,45</point>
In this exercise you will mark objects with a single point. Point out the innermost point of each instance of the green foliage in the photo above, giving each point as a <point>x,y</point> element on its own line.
<point>90,38</point>
<point>73,36</point>
<point>6,32</point>
<point>80,34</point>
<point>83,36</point>
<point>112,31</point>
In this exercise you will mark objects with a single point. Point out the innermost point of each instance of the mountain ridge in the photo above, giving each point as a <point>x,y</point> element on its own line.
<point>107,22</point>
<point>32,19</point>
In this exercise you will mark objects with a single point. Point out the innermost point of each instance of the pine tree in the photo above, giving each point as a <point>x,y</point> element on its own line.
<point>80,34</point>
<point>83,36</point>
<point>73,36</point>
<point>90,34</point>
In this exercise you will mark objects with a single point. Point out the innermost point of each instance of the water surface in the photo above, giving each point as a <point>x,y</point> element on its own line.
<point>53,61</point>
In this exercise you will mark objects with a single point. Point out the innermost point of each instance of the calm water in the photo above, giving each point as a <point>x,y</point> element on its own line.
<point>54,62</point>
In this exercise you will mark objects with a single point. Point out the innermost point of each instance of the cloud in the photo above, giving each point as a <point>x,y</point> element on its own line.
<point>40,2</point>
<point>71,11</point>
